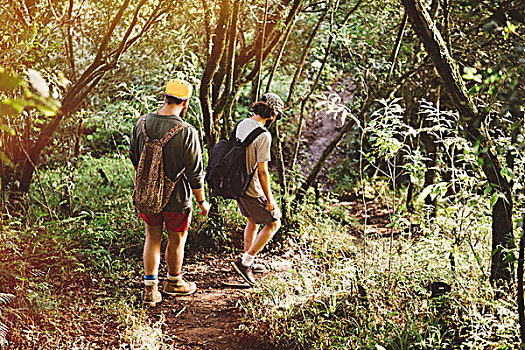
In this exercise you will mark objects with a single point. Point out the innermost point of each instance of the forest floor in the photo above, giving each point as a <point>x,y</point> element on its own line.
<point>212,318</point>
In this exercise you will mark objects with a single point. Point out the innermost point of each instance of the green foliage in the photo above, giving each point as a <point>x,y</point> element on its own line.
<point>342,295</point>
<point>353,287</point>
<point>19,95</point>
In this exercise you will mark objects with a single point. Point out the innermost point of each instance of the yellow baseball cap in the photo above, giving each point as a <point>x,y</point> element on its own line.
<point>179,88</point>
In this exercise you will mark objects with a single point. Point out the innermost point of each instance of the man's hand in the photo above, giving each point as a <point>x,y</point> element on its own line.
<point>270,204</point>
<point>205,208</point>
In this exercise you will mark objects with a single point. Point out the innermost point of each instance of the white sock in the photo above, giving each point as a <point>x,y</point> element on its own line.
<point>151,282</point>
<point>247,259</point>
<point>177,278</point>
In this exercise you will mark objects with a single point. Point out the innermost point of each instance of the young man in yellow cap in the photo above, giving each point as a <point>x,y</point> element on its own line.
<point>182,153</point>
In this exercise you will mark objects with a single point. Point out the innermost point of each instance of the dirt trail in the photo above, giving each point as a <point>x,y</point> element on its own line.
<point>211,318</point>
<point>321,128</point>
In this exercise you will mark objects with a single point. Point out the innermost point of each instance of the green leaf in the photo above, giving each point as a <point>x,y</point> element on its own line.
<point>494,199</point>
<point>17,104</point>
<point>507,173</point>
<point>6,129</point>
<point>38,82</point>
<point>8,82</point>
<point>47,111</point>
<point>510,258</point>
<point>488,189</point>
<point>470,74</point>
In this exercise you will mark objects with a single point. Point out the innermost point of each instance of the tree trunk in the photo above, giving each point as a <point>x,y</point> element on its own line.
<point>209,71</point>
<point>279,55</point>
<point>302,61</point>
<point>431,149</point>
<point>397,45</point>
<point>261,38</point>
<point>521,307</point>
<point>229,89</point>
<point>436,47</point>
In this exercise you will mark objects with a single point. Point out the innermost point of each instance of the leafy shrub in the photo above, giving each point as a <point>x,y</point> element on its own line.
<point>346,292</point>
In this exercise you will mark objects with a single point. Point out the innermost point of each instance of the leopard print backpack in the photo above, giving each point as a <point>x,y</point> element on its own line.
<point>152,188</point>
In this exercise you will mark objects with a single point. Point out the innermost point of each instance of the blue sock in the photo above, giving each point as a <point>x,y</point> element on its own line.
<point>151,280</point>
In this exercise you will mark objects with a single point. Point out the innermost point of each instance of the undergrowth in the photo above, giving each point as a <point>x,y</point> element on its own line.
<point>72,262</point>
<point>422,290</point>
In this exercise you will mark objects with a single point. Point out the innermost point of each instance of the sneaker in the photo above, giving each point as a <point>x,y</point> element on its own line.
<point>152,295</point>
<point>179,288</point>
<point>259,268</point>
<point>244,271</point>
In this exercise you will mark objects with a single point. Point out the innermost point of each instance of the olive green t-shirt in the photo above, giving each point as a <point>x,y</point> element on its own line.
<point>182,151</point>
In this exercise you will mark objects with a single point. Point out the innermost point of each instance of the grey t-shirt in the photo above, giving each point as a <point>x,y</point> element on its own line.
<point>257,151</point>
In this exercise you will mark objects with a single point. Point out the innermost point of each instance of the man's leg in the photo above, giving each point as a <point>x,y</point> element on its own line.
<point>174,258</point>
<point>250,233</point>
<point>245,264</point>
<point>264,237</point>
<point>175,251</point>
<point>151,258</point>
<point>151,252</point>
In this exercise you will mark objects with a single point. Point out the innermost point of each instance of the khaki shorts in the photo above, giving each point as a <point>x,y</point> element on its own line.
<point>255,208</point>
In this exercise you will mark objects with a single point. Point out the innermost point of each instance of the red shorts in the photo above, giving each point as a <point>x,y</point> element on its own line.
<point>175,222</point>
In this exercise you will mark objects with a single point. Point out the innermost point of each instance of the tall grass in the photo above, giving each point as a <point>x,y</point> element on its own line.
<point>72,262</point>
<point>342,295</point>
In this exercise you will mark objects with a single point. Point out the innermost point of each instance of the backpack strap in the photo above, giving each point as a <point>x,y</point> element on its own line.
<point>167,136</point>
<point>176,129</point>
<point>252,136</point>
<point>234,132</point>
<point>143,125</point>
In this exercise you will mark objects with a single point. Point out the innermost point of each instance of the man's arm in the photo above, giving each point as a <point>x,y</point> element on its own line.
<point>201,201</point>
<point>264,179</point>
<point>195,170</point>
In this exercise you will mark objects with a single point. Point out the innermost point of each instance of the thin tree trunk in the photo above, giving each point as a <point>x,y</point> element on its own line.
<point>229,89</point>
<point>431,149</point>
<point>306,50</point>
<point>521,308</point>
<point>69,42</point>
<point>209,72</point>
<point>207,26</point>
<point>279,54</point>
<point>279,162</point>
<point>502,231</point>
<point>397,45</point>
<point>259,55</point>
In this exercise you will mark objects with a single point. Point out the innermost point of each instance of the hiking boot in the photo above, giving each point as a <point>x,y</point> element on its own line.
<point>179,288</point>
<point>244,271</point>
<point>152,295</point>
<point>259,268</point>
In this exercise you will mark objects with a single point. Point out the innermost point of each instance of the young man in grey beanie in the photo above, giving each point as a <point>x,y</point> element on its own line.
<point>258,204</point>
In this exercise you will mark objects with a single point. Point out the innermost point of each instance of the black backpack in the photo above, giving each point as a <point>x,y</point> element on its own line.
<point>226,173</point>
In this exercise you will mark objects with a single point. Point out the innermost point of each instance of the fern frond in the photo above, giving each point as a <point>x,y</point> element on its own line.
<point>5,298</point>
<point>3,334</point>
